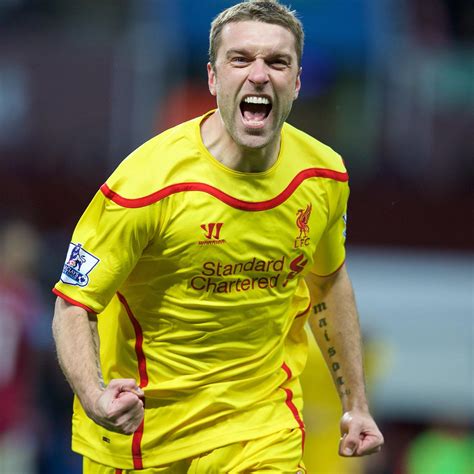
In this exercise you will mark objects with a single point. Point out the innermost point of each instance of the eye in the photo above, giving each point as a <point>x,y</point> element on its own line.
<point>279,63</point>
<point>239,60</point>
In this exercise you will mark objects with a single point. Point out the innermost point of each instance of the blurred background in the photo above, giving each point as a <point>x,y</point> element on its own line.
<point>388,83</point>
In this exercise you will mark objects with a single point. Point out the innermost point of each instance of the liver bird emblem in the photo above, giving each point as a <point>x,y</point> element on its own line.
<point>302,218</point>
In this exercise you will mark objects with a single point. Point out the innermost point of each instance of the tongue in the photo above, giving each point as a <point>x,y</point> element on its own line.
<point>254,116</point>
<point>254,112</point>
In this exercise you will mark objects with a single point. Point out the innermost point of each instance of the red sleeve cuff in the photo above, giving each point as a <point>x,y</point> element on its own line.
<point>72,301</point>
<point>332,273</point>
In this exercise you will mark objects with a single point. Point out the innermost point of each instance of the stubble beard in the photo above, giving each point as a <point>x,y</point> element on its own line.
<point>253,139</point>
<point>248,138</point>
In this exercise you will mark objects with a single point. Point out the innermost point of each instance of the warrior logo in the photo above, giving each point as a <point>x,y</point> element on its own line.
<point>77,266</point>
<point>302,219</point>
<point>212,233</point>
<point>212,230</point>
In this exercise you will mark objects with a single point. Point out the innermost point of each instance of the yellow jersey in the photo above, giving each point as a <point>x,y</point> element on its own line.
<point>196,274</point>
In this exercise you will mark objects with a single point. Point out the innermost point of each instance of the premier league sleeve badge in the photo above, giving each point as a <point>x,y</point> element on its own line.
<point>79,263</point>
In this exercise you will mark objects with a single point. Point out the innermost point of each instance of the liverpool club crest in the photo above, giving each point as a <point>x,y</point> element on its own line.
<point>302,219</point>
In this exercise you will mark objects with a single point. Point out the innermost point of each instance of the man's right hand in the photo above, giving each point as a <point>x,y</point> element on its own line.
<point>119,407</point>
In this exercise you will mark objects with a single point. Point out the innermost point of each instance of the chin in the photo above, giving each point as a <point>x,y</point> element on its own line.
<point>254,139</point>
<point>254,142</point>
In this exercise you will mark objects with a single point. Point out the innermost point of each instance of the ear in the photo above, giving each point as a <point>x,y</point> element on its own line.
<point>298,84</point>
<point>211,79</point>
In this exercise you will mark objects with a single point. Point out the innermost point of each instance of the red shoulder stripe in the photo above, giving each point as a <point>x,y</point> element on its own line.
<point>221,195</point>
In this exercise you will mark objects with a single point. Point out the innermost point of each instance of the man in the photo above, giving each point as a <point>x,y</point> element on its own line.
<point>195,254</point>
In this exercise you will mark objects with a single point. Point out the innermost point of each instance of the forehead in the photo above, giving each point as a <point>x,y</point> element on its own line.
<point>257,37</point>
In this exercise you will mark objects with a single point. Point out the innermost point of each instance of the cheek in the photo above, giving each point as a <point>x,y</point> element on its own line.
<point>224,98</point>
<point>287,95</point>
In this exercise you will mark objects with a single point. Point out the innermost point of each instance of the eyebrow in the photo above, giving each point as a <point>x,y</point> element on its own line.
<point>244,52</point>
<point>232,52</point>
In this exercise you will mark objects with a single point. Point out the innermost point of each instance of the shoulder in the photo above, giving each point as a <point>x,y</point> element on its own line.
<point>314,153</point>
<point>152,165</point>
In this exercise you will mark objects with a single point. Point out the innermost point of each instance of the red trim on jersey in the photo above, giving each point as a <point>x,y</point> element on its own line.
<point>291,405</point>
<point>138,435</point>
<point>221,195</point>
<point>304,312</point>
<point>287,370</point>
<point>137,447</point>
<point>73,302</point>
<point>138,342</point>
<point>118,471</point>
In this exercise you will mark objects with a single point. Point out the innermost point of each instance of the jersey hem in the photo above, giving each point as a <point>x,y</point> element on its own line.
<point>173,455</point>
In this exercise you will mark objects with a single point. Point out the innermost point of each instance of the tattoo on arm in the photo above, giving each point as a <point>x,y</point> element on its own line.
<point>319,307</point>
<point>332,352</point>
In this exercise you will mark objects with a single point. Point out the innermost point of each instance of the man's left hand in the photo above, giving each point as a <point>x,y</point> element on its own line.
<point>360,435</point>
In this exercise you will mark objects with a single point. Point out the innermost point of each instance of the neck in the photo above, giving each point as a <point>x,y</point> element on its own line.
<point>224,149</point>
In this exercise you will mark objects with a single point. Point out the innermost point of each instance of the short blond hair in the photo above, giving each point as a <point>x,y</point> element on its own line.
<point>265,11</point>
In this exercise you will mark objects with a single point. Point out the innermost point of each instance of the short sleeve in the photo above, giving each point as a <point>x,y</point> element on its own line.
<point>330,253</point>
<point>106,244</point>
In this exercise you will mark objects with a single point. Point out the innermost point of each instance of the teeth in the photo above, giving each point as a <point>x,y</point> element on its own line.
<point>256,100</point>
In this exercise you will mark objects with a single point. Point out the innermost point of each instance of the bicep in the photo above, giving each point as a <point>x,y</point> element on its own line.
<point>68,317</point>
<point>321,285</point>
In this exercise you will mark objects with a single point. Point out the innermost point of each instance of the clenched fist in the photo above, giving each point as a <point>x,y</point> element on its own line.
<point>360,435</point>
<point>119,407</point>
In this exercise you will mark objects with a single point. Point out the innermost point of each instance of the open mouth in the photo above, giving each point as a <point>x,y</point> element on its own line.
<point>255,109</point>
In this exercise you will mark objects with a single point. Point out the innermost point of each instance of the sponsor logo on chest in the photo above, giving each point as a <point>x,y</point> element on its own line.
<point>260,272</point>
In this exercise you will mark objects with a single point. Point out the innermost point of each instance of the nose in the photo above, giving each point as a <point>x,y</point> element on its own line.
<point>258,72</point>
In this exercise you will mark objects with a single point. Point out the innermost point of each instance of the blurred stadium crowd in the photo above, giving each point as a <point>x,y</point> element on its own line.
<point>388,83</point>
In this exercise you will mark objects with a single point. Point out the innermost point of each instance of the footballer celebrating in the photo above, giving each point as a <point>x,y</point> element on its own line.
<point>202,258</point>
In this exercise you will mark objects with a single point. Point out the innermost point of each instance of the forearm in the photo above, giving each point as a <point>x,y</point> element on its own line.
<point>335,325</point>
<point>77,345</point>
